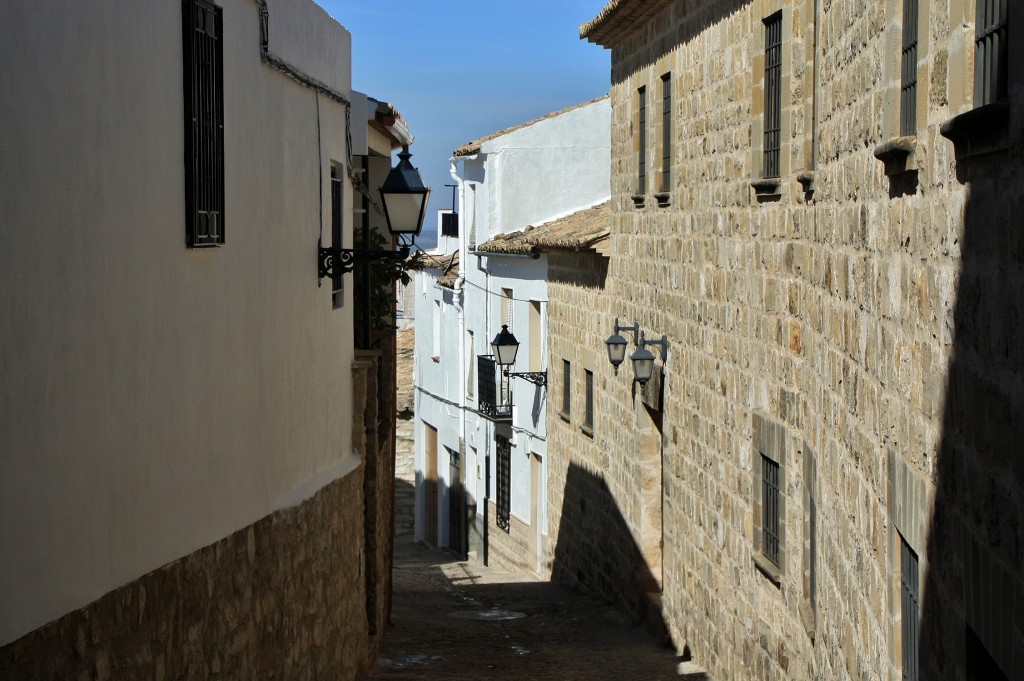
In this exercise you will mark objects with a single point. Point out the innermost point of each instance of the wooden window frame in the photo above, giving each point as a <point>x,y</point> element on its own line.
<point>991,52</point>
<point>908,68</point>
<point>772,138</point>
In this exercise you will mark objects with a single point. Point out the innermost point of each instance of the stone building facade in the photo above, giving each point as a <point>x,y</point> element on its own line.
<point>814,202</point>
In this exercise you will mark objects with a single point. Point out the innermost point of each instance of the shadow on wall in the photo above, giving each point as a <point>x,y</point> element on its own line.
<point>597,554</point>
<point>972,625</point>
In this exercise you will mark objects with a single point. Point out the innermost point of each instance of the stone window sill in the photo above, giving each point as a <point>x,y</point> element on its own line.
<point>664,200</point>
<point>639,200</point>
<point>588,431</point>
<point>767,187</point>
<point>982,130</point>
<point>896,153</point>
<point>565,417</point>
<point>768,569</point>
<point>806,179</point>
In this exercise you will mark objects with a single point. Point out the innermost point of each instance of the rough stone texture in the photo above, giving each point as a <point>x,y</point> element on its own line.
<point>876,320</point>
<point>297,595</point>
<point>279,599</point>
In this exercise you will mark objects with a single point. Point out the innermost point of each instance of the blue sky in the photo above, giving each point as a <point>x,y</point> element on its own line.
<point>458,70</point>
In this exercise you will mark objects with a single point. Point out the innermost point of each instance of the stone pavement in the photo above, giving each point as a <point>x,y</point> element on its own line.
<point>461,620</point>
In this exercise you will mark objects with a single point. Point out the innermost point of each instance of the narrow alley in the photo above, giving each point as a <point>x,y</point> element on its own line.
<point>461,620</point>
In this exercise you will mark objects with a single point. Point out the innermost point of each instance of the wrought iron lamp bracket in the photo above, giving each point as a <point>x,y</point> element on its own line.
<point>336,261</point>
<point>634,328</point>
<point>539,378</point>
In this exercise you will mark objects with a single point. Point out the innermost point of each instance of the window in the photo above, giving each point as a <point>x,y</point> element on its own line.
<point>337,290</point>
<point>471,367</point>
<point>990,51</point>
<point>588,419</point>
<point>910,602</point>
<point>435,345</point>
<point>566,388</point>
<point>203,71</point>
<point>535,336</point>
<point>772,94</point>
<point>506,307</point>
<point>504,482</point>
<point>770,509</point>
<point>666,133</point>
<point>641,171</point>
<point>908,77</point>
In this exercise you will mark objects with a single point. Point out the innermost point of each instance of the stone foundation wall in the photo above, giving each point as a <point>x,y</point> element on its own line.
<point>508,550</point>
<point>282,598</point>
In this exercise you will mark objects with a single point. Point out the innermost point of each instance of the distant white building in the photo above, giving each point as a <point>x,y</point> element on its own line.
<point>481,460</point>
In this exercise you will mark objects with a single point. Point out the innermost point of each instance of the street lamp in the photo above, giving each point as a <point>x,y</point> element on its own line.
<point>617,344</point>
<point>405,204</point>
<point>405,198</point>
<point>643,359</point>
<point>505,346</point>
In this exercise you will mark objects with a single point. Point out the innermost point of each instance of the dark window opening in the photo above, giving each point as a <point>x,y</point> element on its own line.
<point>772,94</point>
<point>588,419</point>
<point>666,133</point>
<point>642,144</point>
<point>202,47</point>
<point>566,388</point>
<point>449,224</point>
<point>337,292</point>
<point>770,509</point>
<point>908,76</point>
<point>504,482</point>
<point>990,51</point>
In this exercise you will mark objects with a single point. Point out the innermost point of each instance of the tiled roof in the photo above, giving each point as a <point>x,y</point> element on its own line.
<point>619,18</point>
<point>581,230</point>
<point>450,272</point>
<point>473,147</point>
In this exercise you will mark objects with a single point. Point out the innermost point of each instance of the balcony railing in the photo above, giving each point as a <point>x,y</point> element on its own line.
<point>490,395</point>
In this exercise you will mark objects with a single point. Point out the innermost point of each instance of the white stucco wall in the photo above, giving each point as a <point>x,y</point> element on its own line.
<point>156,398</point>
<point>546,170</point>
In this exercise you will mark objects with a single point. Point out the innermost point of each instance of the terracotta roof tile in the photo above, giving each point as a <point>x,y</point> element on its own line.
<point>578,231</point>
<point>450,273</point>
<point>619,18</point>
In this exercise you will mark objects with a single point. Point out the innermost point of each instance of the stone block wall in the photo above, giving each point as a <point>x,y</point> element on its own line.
<point>282,598</point>
<point>508,550</point>
<point>300,594</point>
<point>867,317</point>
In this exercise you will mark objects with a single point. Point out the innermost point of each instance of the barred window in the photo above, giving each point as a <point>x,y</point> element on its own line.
<point>990,51</point>
<point>566,388</point>
<point>337,289</point>
<point>908,76</point>
<point>772,94</point>
<point>641,172</point>
<point>202,47</point>
<point>910,602</point>
<point>504,482</point>
<point>588,419</point>
<point>666,132</point>
<point>770,509</point>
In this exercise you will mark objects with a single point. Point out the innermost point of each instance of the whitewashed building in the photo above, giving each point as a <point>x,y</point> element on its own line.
<point>481,451</point>
<point>182,433</point>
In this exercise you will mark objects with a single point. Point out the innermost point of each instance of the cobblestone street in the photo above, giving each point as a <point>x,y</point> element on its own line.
<point>461,620</point>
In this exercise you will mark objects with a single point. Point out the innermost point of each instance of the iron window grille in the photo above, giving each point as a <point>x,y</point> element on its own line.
<point>908,77</point>
<point>642,142</point>
<point>203,70</point>
<point>504,483</point>
<point>910,600</point>
<point>772,94</point>
<point>666,132</point>
<point>990,51</point>
<point>770,509</point>
<point>566,388</point>
<point>588,420</point>
<point>337,293</point>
